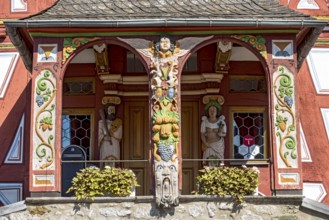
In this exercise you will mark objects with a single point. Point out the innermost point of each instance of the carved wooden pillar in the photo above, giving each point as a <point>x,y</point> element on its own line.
<point>163,58</point>
<point>46,115</point>
<point>165,121</point>
<point>287,162</point>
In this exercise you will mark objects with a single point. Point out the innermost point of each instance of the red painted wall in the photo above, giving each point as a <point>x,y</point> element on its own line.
<point>16,102</point>
<point>310,103</point>
<point>310,115</point>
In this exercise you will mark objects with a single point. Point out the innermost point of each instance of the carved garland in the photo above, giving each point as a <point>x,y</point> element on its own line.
<point>46,92</point>
<point>285,121</point>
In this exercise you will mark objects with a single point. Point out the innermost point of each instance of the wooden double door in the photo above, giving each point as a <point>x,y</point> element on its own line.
<point>136,143</point>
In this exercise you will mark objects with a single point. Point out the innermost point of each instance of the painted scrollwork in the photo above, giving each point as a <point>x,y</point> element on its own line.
<point>44,119</point>
<point>285,120</point>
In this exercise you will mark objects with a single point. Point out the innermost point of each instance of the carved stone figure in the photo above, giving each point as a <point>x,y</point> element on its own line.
<point>109,134</point>
<point>166,183</point>
<point>213,131</point>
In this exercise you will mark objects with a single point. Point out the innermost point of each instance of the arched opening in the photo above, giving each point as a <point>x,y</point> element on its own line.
<point>89,77</point>
<point>244,86</point>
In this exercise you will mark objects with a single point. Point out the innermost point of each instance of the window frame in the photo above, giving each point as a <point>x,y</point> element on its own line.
<point>249,109</point>
<point>243,77</point>
<point>77,80</point>
<point>136,60</point>
<point>185,68</point>
<point>82,111</point>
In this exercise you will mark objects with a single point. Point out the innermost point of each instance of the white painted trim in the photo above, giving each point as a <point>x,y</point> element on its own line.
<point>320,78</point>
<point>317,188</point>
<point>110,78</point>
<point>15,154</point>
<point>4,192</point>
<point>325,116</point>
<point>18,6</point>
<point>6,76</point>
<point>307,4</point>
<point>116,92</point>
<point>143,80</point>
<point>201,78</point>
<point>306,156</point>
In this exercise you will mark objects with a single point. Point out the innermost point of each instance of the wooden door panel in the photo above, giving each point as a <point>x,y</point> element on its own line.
<point>137,125</point>
<point>136,142</point>
<point>188,181</point>
<point>140,175</point>
<point>136,128</point>
<point>187,125</point>
<point>190,144</point>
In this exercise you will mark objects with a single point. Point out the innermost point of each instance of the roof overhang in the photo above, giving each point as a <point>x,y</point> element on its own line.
<point>170,22</point>
<point>314,27</point>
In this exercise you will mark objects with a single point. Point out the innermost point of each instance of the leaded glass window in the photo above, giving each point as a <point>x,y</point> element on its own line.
<point>76,130</point>
<point>79,86</point>
<point>248,133</point>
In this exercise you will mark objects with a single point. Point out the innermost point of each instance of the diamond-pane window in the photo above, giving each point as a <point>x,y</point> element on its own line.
<point>79,86</point>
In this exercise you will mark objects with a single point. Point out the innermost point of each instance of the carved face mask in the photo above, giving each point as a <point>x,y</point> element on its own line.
<point>166,181</point>
<point>164,44</point>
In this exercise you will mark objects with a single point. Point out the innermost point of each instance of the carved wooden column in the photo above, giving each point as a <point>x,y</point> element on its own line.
<point>163,57</point>
<point>287,162</point>
<point>165,121</point>
<point>45,131</point>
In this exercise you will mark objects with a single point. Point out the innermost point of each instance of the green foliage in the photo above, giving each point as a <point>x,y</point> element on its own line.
<point>233,181</point>
<point>118,182</point>
<point>91,182</point>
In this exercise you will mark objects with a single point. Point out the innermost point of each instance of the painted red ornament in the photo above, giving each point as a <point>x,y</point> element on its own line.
<point>248,140</point>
